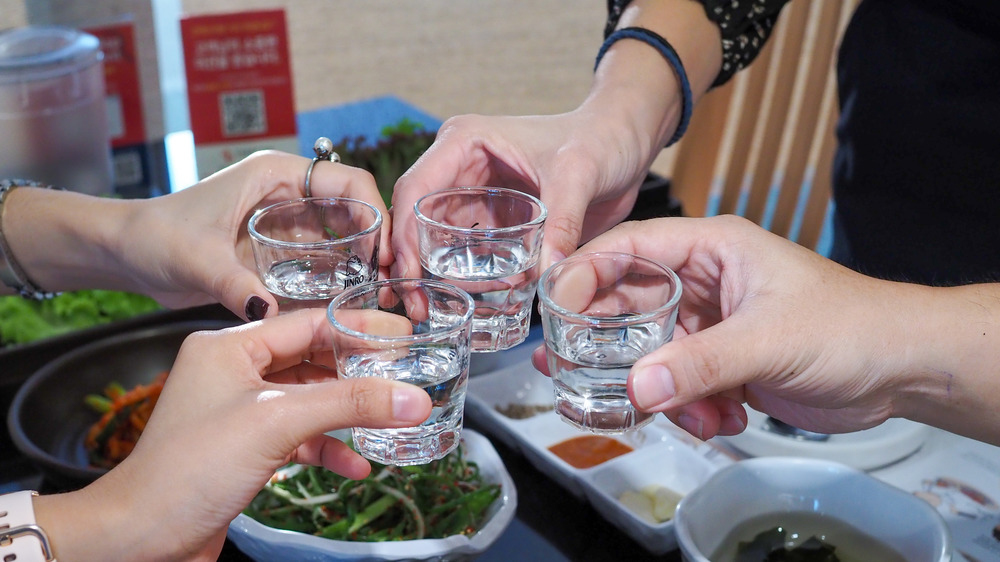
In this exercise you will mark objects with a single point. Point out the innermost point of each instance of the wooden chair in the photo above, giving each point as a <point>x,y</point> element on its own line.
<point>762,145</point>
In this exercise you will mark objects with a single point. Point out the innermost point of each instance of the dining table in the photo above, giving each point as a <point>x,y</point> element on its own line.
<point>960,476</point>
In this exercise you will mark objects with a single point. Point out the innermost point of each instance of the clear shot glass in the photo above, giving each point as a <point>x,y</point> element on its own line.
<point>416,331</point>
<point>309,250</point>
<point>600,313</point>
<point>485,240</point>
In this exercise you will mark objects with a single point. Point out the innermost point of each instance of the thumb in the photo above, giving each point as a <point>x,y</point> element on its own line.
<point>363,402</point>
<point>719,359</point>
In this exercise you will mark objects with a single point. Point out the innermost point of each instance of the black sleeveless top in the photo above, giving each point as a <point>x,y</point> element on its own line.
<point>917,172</point>
<point>916,179</point>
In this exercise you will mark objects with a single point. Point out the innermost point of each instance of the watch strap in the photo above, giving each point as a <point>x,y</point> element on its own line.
<point>21,538</point>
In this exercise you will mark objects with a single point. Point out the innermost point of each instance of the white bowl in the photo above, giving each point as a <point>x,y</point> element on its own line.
<point>263,543</point>
<point>755,487</point>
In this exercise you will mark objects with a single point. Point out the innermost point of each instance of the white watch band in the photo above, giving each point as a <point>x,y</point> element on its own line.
<point>20,536</point>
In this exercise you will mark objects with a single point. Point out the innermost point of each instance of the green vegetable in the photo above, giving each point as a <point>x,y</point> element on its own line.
<point>98,403</point>
<point>395,151</point>
<point>115,390</point>
<point>371,513</point>
<point>436,500</point>
<point>24,320</point>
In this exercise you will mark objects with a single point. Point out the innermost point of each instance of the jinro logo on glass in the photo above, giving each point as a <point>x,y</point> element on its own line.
<point>359,273</point>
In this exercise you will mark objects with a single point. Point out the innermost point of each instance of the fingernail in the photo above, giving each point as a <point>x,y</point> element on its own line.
<point>731,425</point>
<point>408,404</point>
<point>734,417</point>
<point>653,386</point>
<point>692,425</point>
<point>256,308</point>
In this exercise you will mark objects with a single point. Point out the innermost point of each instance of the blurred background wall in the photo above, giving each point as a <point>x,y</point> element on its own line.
<point>444,56</point>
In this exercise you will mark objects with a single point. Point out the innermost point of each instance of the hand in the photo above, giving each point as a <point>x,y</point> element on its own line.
<point>762,321</point>
<point>192,247</point>
<point>585,171</point>
<point>237,405</point>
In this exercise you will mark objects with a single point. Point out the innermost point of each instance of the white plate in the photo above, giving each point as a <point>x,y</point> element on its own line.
<point>879,446</point>
<point>657,456</point>
<point>670,464</point>
<point>545,430</point>
<point>263,543</point>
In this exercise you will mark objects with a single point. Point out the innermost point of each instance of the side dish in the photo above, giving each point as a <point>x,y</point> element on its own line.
<point>586,451</point>
<point>440,499</point>
<point>124,416</point>
<point>24,321</point>
<point>654,503</point>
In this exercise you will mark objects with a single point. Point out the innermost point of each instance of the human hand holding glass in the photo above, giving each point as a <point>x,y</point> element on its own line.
<point>561,159</point>
<point>767,323</point>
<point>184,249</point>
<point>238,404</point>
<point>601,312</point>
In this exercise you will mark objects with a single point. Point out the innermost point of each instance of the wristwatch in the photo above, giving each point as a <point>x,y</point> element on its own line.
<point>21,538</point>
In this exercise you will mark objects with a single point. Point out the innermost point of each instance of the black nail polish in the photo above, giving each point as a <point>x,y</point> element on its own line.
<point>256,308</point>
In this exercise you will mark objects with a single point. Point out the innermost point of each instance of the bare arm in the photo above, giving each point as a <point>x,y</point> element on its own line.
<point>949,359</point>
<point>183,249</point>
<point>634,88</point>
<point>766,322</point>
<point>587,164</point>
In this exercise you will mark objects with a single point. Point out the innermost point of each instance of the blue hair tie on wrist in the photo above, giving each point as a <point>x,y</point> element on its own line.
<point>654,40</point>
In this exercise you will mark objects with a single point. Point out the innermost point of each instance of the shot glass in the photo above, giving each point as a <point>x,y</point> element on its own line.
<point>416,331</point>
<point>600,313</point>
<point>485,240</point>
<point>309,250</point>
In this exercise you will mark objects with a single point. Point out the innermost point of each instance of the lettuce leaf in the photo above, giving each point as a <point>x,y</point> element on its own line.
<point>25,321</point>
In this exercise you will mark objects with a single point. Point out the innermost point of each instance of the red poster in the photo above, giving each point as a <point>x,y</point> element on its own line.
<point>238,76</point>
<point>121,81</point>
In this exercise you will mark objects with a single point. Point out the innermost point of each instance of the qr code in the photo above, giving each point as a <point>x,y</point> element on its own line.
<point>243,113</point>
<point>128,167</point>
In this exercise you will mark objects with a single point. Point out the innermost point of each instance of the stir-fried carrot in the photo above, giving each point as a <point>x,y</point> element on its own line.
<point>125,413</point>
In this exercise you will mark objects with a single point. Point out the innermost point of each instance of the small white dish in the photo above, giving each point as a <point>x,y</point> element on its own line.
<point>657,456</point>
<point>869,449</point>
<point>263,543</point>
<point>670,464</point>
<point>517,385</point>
<point>793,487</point>
<point>549,429</point>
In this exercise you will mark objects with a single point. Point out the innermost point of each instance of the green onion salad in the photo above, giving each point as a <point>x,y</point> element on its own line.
<point>436,500</point>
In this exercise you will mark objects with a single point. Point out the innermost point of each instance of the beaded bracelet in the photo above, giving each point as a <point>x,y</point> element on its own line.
<point>11,272</point>
<point>660,44</point>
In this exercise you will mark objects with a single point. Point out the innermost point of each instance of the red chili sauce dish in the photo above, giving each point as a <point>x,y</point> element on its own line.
<point>587,451</point>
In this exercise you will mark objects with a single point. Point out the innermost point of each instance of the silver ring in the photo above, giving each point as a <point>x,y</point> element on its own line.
<point>323,147</point>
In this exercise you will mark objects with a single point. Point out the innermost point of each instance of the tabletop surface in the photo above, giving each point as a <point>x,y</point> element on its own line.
<point>960,476</point>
